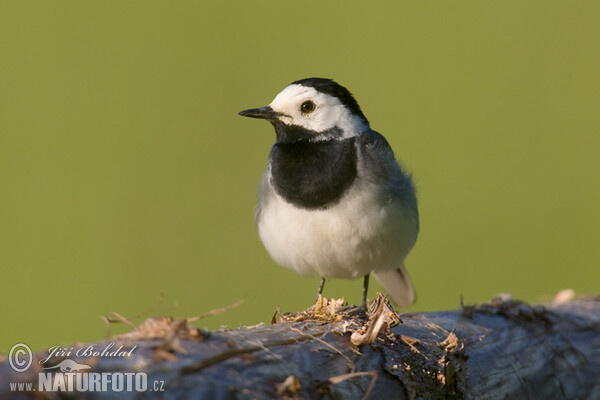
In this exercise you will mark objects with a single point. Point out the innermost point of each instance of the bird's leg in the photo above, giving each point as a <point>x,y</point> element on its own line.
<point>364,292</point>
<point>320,288</point>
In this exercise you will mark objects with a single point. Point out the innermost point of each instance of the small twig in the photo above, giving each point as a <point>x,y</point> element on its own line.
<point>160,299</point>
<point>197,366</point>
<point>115,317</point>
<point>216,311</point>
<point>119,318</point>
<point>326,344</point>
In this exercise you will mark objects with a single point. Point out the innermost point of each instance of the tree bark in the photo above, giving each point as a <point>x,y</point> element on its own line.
<point>502,349</point>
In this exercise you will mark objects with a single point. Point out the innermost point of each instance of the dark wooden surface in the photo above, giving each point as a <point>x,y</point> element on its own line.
<point>502,349</point>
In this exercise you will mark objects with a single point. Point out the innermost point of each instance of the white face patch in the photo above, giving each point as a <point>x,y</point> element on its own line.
<point>328,113</point>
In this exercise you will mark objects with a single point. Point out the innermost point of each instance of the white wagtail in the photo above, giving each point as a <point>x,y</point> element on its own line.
<point>334,201</point>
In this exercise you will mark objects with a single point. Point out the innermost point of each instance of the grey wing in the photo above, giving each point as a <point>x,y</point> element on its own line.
<point>265,191</point>
<point>381,166</point>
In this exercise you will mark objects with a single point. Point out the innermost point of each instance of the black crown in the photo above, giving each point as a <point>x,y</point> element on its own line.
<point>332,88</point>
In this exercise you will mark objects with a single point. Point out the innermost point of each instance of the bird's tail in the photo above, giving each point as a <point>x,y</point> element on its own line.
<point>397,284</point>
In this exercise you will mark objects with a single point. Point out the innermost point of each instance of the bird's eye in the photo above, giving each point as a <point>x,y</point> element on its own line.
<point>307,107</point>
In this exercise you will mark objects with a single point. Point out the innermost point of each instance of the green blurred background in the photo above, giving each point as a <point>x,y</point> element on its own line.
<point>125,171</point>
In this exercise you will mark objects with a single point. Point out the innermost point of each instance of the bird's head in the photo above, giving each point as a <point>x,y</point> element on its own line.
<point>313,109</point>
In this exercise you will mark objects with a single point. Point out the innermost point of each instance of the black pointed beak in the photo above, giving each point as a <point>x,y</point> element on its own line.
<point>264,112</point>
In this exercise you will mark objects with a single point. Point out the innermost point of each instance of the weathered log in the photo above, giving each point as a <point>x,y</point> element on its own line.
<point>502,349</point>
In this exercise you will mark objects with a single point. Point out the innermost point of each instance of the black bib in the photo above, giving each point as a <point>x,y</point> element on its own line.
<point>313,175</point>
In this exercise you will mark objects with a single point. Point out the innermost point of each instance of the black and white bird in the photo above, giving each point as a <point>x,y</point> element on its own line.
<point>334,201</point>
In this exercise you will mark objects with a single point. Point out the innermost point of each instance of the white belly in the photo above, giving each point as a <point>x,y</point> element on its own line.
<point>364,232</point>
